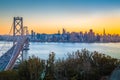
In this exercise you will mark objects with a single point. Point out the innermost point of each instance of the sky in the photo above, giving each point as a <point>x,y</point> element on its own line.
<point>49,16</point>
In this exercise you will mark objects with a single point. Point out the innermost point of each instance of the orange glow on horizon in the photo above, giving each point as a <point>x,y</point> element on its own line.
<point>111,25</point>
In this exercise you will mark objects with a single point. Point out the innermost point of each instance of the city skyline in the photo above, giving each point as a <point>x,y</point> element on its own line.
<point>49,16</point>
<point>66,36</point>
<point>63,30</point>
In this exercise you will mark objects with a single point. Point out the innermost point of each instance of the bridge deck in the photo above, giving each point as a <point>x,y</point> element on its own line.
<point>8,59</point>
<point>5,58</point>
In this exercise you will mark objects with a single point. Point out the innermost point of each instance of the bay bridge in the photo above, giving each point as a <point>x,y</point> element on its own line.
<point>20,43</point>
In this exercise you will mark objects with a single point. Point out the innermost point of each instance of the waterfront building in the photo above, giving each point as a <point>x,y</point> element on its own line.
<point>75,37</point>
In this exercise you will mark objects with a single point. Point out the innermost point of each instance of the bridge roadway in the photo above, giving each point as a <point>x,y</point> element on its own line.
<point>8,59</point>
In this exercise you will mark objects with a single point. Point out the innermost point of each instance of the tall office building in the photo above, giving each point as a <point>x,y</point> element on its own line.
<point>64,31</point>
<point>104,32</point>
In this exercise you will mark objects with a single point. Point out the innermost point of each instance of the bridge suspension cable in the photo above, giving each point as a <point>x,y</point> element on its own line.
<point>7,42</point>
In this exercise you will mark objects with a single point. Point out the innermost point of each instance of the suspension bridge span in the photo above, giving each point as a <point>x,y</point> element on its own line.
<point>20,43</point>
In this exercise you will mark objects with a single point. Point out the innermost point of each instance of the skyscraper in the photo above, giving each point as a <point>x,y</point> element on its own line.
<point>104,32</point>
<point>64,31</point>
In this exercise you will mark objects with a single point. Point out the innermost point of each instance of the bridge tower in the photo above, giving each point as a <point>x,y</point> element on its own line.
<point>20,44</point>
<point>17,28</point>
<point>26,45</point>
<point>20,31</point>
<point>25,30</point>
